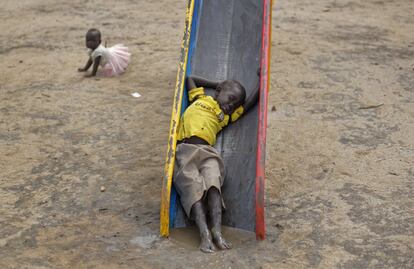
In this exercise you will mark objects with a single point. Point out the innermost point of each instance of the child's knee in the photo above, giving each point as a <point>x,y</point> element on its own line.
<point>214,191</point>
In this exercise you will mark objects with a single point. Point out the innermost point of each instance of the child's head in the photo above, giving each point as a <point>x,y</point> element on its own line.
<point>93,38</point>
<point>230,94</point>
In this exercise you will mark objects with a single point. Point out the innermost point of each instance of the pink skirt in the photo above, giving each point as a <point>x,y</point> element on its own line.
<point>118,60</point>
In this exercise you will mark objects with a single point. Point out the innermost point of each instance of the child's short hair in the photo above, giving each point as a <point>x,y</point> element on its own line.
<point>234,84</point>
<point>95,32</point>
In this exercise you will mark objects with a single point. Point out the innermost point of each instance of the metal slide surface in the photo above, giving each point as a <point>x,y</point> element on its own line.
<point>226,43</point>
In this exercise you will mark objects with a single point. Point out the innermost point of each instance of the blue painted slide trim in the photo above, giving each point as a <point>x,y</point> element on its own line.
<point>193,40</point>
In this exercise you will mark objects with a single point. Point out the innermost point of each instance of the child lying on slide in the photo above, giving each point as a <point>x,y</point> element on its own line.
<point>199,169</point>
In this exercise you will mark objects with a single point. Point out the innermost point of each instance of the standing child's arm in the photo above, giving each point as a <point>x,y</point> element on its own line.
<point>194,82</point>
<point>87,65</point>
<point>254,96</point>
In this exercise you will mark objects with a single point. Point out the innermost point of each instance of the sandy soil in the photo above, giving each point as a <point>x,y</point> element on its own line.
<point>340,176</point>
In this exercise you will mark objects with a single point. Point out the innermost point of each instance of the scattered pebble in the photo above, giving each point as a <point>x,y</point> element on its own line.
<point>146,241</point>
<point>373,106</point>
<point>280,227</point>
<point>136,94</point>
<point>103,188</point>
<point>273,108</point>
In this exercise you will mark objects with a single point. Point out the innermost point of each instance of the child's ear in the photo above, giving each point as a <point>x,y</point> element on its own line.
<point>217,90</point>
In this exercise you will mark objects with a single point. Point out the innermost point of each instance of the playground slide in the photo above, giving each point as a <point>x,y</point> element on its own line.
<point>226,39</point>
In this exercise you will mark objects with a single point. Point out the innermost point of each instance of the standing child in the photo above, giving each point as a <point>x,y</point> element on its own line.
<point>114,60</point>
<point>199,169</point>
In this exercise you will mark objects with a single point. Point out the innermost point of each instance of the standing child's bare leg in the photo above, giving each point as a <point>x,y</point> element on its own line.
<point>199,215</point>
<point>214,206</point>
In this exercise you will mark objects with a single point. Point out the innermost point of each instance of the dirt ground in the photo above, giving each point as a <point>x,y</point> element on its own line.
<point>340,148</point>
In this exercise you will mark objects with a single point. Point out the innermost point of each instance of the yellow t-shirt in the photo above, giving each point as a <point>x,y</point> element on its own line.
<point>204,118</point>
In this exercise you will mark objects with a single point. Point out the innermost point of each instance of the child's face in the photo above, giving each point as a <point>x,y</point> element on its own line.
<point>92,41</point>
<point>229,99</point>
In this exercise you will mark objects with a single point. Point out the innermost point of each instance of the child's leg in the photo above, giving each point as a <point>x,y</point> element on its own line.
<point>199,215</point>
<point>214,206</point>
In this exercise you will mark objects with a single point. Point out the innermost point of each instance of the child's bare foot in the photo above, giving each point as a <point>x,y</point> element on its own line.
<point>219,240</point>
<point>207,245</point>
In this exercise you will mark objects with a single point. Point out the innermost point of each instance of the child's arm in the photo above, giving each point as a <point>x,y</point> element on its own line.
<point>95,67</point>
<point>254,96</point>
<point>194,82</point>
<point>87,65</point>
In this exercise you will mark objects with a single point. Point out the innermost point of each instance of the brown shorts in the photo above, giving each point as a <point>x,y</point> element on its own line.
<point>197,169</point>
